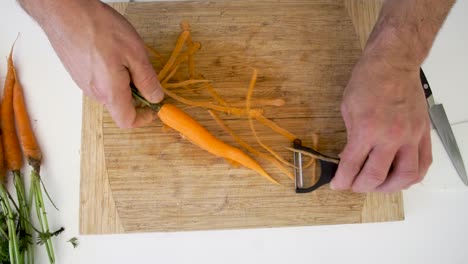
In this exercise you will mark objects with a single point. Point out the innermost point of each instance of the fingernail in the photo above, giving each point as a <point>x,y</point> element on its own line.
<point>332,186</point>
<point>157,94</point>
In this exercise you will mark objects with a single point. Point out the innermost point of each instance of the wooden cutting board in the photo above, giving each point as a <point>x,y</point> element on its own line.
<point>149,179</point>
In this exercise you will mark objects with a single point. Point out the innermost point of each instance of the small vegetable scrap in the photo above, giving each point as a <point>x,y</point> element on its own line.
<point>18,139</point>
<point>250,108</point>
<point>74,241</point>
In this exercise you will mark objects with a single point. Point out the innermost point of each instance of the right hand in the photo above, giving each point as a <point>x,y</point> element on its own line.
<point>103,53</point>
<point>388,127</point>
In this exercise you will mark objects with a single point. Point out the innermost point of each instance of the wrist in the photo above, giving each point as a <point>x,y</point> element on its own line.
<point>400,46</point>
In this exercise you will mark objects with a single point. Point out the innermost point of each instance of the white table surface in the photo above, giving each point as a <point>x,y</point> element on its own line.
<point>434,231</point>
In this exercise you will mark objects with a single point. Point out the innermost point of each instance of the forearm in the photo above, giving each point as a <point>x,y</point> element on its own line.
<point>51,12</point>
<point>405,31</point>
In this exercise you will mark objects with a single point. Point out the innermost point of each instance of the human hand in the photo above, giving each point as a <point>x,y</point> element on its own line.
<point>388,129</point>
<point>103,53</point>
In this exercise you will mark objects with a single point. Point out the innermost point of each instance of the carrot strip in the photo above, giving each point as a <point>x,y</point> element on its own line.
<point>185,26</point>
<point>320,157</point>
<point>27,138</point>
<point>219,108</point>
<point>169,76</point>
<point>249,148</point>
<point>13,156</point>
<point>247,107</point>
<point>155,54</point>
<point>193,89</point>
<point>260,102</point>
<point>215,95</point>
<point>175,52</point>
<point>191,66</point>
<point>275,127</point>
<point>184,56</point>
<point>197,134</point>
<point>312,162</point>
<point>184,83</point>
<point>213,92</point>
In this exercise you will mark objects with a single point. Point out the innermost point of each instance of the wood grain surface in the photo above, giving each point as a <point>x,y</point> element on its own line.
<point>151,179</point>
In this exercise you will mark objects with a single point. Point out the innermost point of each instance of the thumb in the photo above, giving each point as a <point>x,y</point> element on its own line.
<point>146,81</point>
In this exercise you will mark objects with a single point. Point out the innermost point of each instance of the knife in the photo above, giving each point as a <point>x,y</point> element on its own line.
<point>444,130</point>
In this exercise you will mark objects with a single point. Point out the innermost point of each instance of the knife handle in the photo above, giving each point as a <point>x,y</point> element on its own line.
<point>425,84</point>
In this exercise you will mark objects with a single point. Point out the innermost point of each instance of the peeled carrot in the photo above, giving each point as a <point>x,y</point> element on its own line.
<point>26,135</point>
<point>13,156</point>
<point>180,121</point>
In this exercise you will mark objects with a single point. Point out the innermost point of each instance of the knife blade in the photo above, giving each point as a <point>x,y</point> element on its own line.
<point>444,130</point>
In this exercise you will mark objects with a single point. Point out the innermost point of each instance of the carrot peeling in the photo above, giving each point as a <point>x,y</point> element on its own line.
<point>249,148</point>
<point>219,108</point>
<point>261,102</point>
<point>252,127</point>
<point>184,56</point>
<point>185,83</point>
<point>185,26</point>
<point>275,127</point>
<point>169,75</point>
<point>155,54</point>
<point>178,47</point>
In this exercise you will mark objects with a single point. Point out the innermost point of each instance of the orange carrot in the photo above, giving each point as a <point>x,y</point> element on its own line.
<point>2,163</point>
<point>13,156</point>
<point>26,135</point>
<point>183,123</point>
<point>2,158</point>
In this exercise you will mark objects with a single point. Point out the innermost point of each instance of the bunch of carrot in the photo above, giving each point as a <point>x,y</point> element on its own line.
<point>180,121</point>
<point>17,138</point>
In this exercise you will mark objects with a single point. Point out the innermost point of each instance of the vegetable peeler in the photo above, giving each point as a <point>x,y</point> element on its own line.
<point>328,167</point>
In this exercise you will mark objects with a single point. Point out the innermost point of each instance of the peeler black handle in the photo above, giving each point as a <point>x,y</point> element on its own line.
<point>327,169</point>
